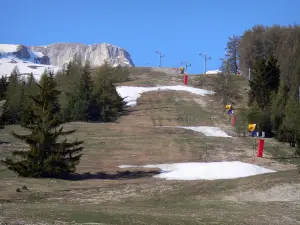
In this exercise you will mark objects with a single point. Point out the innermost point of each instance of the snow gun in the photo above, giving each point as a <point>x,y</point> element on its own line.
<point>251,128</point>
<point>230,109</point>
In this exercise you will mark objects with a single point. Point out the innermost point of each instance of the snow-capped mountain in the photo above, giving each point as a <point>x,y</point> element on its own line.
<point>35,59</point>
<point>62,53</point>
<point>26,60</point>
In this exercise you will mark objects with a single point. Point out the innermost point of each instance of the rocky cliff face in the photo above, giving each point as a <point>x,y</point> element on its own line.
<point>97,54</point>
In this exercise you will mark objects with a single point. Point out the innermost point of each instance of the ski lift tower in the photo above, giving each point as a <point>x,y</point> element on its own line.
<point>160,56</point>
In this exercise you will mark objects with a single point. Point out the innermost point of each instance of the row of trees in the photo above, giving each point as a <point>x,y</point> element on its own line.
<point>83,96</point>
<point>73,94</point>
<point>273,55</point>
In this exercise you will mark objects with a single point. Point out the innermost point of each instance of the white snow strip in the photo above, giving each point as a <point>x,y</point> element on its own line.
<point>205,171</point>
<point>8,48</point>
<point>213,71</point>
<point>207,131</point>
<point>131,94</point>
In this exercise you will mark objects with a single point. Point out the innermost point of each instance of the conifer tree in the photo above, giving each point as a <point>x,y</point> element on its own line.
<point>272,74</point>
<point>107,99</point>
<point>291,122</point>
<point>2,102</point>
<point>83,95</point>
<point>233,50</point>
<point>46,156</point>
<point>27,103</point>
<point>14,96</point>
<point>68,81</point>
<point>258,92</point>
<point>279,100</point>
<point>3,87</point>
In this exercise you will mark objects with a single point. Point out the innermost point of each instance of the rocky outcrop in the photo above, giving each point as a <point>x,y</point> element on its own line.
<point>22,52</point>
<point>97,54</point>
<point>45,60</point>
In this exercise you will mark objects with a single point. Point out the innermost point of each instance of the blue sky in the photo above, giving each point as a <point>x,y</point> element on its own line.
<point>180,29</point>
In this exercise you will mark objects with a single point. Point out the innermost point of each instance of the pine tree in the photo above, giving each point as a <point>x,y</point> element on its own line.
<point>14,96</point>
<point>106,98</point>
<point>233,50</point>
<point>279,100</point>
<point>258,92</point>
<point>83,95</point>
<point>3,87</point>
<point>27,104</point>
<point>68,81</point>
<point>272,74</point>
<point>291,122</point>
<point>46,156</point>
<point>2,102</point>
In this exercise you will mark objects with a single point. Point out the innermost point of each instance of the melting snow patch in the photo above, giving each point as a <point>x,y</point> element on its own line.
<point>213,71</point>
<point>205,171</point>
<point>207,131</point>
<point>131,94</point>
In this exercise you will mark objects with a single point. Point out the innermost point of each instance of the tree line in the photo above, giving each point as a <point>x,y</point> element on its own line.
<point>85,95</point>
<point>273,56</point>
<point>76,93</point>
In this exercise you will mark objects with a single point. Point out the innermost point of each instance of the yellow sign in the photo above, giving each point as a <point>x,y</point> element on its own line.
<point>251,127</point>
<point>228,106</point>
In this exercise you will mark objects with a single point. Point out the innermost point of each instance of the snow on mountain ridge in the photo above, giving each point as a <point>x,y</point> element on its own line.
<point>6,48</point>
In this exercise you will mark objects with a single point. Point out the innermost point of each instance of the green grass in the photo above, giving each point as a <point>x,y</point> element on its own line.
<point>281,152</point>
<point>191,203</point>
<point>136,139</point>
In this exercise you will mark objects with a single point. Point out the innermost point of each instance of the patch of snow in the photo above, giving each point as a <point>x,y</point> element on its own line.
<point>207,131</point>
<point>38,54</point>
<point>213,71</point>
<point>8,48</point>
<point>131,94</point>
<point>6,67</point>
<point>205,171</point>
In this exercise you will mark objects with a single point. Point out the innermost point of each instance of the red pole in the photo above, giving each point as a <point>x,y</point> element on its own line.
<point>260,149</point>
<point>185,79</point>
<point>232,119</point>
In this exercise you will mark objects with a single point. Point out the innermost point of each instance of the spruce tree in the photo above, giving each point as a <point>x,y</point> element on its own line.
<point>291,122</point>
<point>27,103</point>
<point>233,50</point>
<point>46,156</point>
<point>3,87</point>
<point>106,98</point>
<point>258,92</point>
<point>14,96</point>
<point>2,102</point>
<point>68,81</point>
<point>272,74</point>
<point>83,95</point>
<point>279,100</point>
